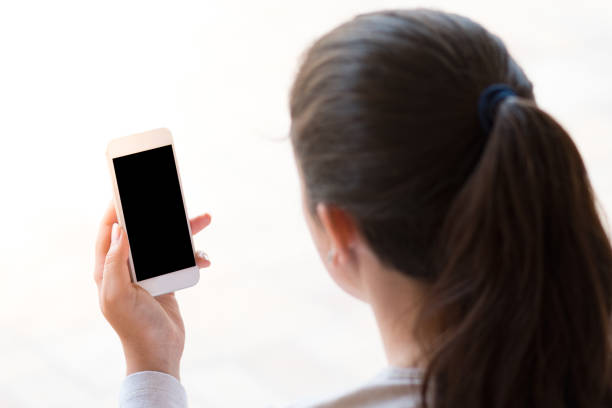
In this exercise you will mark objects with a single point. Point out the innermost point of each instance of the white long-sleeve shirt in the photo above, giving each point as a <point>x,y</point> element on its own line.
<point>393,387</point>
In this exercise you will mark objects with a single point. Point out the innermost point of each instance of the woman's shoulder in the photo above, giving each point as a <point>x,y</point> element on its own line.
<point>392,387</point>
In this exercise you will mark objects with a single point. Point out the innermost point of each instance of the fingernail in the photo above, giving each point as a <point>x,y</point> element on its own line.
<point>115,233</point>
<point>202,254</point>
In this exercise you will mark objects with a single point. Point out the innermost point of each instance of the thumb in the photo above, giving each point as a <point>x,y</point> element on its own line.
<point>116,273</point>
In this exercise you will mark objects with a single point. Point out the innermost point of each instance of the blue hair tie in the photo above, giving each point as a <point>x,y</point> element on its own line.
<point>489,99</point>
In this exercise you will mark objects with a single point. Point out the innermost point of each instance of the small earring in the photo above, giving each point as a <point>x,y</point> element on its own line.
<point>331,255</point>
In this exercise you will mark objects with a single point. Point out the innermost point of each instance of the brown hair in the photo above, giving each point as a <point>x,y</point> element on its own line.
<point>503,226</point>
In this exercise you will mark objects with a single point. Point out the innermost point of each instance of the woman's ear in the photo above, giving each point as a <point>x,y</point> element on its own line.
<point>340,229</point>
<point>342,259</point>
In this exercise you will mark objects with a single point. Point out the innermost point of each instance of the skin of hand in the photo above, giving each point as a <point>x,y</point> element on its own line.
<point>150,328</point>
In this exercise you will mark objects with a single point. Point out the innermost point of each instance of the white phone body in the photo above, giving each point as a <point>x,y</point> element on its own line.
<point>141,142</point>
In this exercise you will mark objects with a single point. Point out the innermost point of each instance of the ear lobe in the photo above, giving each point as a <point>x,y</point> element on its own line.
<point>343,240</point>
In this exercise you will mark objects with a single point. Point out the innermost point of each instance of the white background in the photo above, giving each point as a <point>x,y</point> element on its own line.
<point>265,324</point>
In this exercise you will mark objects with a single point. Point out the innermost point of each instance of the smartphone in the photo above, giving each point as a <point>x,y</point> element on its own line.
<point>151,208</point>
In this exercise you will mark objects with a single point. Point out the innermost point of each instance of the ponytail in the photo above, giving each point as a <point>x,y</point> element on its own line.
<point>522,303</point>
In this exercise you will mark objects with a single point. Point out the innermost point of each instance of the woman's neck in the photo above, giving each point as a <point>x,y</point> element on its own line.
<point>395,300</point>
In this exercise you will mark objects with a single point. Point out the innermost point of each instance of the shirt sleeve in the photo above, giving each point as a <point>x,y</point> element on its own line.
<point>152,389</point>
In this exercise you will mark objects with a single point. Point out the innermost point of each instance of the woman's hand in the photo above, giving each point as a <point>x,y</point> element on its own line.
<point>150,328</point>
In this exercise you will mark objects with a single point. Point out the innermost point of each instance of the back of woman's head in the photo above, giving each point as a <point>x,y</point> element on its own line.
<point>501,223</point>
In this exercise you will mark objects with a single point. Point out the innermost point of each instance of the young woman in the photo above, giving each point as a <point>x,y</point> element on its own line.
<point>437,191</point>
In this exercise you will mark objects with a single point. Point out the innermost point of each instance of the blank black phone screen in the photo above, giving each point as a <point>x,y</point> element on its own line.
<point>154,212</point>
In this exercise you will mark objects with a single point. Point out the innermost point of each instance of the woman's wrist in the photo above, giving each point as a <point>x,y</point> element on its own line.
<point>136,360</point>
